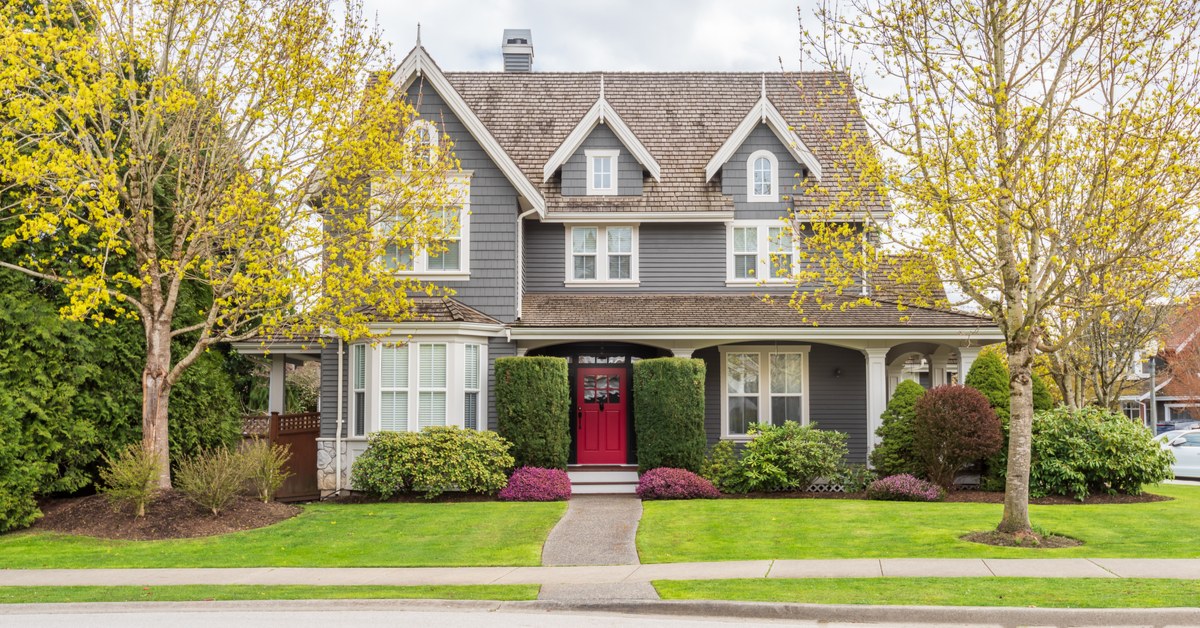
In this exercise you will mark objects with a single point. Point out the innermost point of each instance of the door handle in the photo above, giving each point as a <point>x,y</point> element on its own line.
<point>579,418</point>
<point>602,406</point>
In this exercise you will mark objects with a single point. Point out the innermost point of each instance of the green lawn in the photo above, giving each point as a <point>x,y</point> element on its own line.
<point>1041,592</point>
<point>712,530</point>
<point>191,593</point>
<point>324,535</point>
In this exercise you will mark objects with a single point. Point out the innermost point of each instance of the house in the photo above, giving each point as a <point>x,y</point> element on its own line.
<point>1171,371</point>
<point>612,217</point>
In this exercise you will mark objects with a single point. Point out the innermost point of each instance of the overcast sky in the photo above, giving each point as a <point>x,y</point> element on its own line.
<point>613,35</point>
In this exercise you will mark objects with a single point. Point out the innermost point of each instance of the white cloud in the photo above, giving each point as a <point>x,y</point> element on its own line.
<point>616,35</point>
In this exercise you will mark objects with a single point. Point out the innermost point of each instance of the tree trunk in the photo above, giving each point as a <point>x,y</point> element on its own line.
<point>1020,441</point>
<point>156,393</point>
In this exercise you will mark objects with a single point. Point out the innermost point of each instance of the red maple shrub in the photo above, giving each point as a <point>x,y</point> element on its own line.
<point>953,425</point>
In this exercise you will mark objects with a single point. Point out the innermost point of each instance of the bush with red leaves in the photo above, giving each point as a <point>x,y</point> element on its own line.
<point>953,425</point>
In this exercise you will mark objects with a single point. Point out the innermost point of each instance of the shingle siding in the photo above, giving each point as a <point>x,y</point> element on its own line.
<point>735,182</point>
<point>329,404</point>
<point>629,171</point>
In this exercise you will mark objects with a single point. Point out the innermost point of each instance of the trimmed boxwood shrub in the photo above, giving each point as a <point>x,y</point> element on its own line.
<point>665,483</point>
<point>905,488</point>
<point>533,403</point>
<point>434,460</point>
<point>531,484</point>
<point>894,454</point>
<point>953,425</point>
<point>789,456</point>
<point>1077,452</point>
<point>668,401</point>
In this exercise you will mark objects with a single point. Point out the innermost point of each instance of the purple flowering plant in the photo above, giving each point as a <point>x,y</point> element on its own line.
<point>667,483</point>
<point>905,488</point>
<point>534,484</point>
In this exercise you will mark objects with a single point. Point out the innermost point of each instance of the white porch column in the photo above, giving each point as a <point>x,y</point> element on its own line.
<point>876,391</point>
<point>938,362</point>
<point>682,353</point>
<point>966,357</point>
<point>894,371</point>
<point>275,402</point>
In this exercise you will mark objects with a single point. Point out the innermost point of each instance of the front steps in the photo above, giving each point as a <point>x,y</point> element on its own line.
<point>607,479</point>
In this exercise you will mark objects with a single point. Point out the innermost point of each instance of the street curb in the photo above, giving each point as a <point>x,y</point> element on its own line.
<point>854,613</point>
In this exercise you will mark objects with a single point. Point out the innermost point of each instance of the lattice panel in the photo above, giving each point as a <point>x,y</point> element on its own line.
<point>826,488</point>
<point>307,422</point>
<point>256,425</point>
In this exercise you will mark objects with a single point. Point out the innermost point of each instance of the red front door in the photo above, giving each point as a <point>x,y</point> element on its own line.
<point>600,414</point>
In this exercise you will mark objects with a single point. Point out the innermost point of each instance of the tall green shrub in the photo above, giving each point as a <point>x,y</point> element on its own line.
<point>434,460</point>
<point>894,454</point>
<point>668,403</point>
<point>20,473</point>
<point>532,410</point>
<point>1042,399</point>
<point>790,456</point>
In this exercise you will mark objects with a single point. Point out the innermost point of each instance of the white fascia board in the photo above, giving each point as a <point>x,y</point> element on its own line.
<point>416,327</point>
<point>756,333</point>
<point>601,112</point>
<point>1146,395</point>
<point>258,348</point>
<point>764,111</point>
<point>636,217</point>
<point>419,63</point>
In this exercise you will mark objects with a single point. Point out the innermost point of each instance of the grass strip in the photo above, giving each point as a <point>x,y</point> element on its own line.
<point>698,530</point>
<point>324,535</point>
<point>1037,592</point>
<point>204,592</point>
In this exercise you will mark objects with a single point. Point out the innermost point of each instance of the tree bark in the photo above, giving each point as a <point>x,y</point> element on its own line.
<point>1020,440</point>
<point>156,394</point>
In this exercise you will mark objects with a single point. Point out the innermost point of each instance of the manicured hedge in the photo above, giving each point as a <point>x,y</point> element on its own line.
<point>668,403</point>
<point>533,403</point>
<point>435,460</point>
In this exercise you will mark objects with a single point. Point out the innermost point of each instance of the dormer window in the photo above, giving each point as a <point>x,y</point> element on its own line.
<point>762,177</point>
<point>602,172</point>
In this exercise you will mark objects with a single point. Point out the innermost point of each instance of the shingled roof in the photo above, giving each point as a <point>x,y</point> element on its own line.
<point>724,310</point>
<point>682,118</point>
<point>443,310</point>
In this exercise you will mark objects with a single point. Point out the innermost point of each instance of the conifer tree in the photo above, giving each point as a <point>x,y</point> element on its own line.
<point>894,454</point>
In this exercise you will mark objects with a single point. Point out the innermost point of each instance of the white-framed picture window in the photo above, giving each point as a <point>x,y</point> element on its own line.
<point>760,251</point>
<point>762,384</point>
<point>604,255</point>
<point>393,388</point>
<point>358,388</point>
<point>432,380</point>
<point>762,177</point>
<point>471,386</point>
<point>602,171</point>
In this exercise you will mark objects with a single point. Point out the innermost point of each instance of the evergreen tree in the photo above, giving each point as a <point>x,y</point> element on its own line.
<point>989,375</point>
<point>1042,399</point>
<point>894,454</point>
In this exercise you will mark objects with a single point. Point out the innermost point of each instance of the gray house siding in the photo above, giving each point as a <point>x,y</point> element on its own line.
<point>835,403</point>
<point>629,171</point>
<point>329,404</point>
<point>492,287</point>
<point>734,175</point>
<point>497,348</point>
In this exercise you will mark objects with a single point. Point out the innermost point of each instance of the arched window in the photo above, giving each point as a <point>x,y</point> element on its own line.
<point>425,135</point>
<point>762,177</point>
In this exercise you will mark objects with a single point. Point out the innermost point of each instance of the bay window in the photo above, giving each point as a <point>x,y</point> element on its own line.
<point>358,387</point>
<point>471,387</point>
<point>432,407</point>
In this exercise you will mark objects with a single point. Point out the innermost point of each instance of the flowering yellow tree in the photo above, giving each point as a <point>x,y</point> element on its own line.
<point>245,146</point>
<point>1041,154</point>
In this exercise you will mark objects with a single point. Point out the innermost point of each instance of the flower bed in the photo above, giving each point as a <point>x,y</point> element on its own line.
<point>667,483</point>
<point>534,484</point>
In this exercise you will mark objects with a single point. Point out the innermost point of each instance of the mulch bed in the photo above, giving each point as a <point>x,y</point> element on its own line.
<point>1004,539</point>
<point>968,496</point>
<point>169,516</point>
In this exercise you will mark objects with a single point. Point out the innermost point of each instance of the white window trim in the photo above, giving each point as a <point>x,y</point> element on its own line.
<point>434,136</point>
<point>601,279</point>
<point>369,421</point>
<point>446,389</point>
<point>751,197</point>
<point>591,153</point>
<point>462,187</point>
<point>762,272</point>
<point>764,389</point>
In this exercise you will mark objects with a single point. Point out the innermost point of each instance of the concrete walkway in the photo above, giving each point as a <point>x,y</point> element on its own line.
<point>1188,569</point>
<point>597,530</point>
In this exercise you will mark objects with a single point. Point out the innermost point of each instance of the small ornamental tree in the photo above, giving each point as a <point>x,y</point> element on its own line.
<point>668,401</point>
<point>894,455</point>
<point>953,425</point>
<point>533,402</point>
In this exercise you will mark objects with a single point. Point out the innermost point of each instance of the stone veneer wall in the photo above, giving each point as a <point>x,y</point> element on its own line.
<point>327,465</point>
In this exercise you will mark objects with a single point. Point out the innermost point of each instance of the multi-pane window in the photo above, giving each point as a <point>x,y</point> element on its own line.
<point>393,389</point>
<point>447,259</point>
<point>602,173</point>
<point>787,387</point>
<point>745,252</point>
<point>779,245</point>
<point>431,376</point>
<point>583,249</point>
<point>762,176</point>
<point>742,390</point>
<point>471,388</point>
<point>398,257</point>
<point>358,385</point>
<point>620,252</point>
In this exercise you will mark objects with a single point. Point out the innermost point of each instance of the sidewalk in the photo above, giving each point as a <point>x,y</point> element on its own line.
<point>1188,569</point>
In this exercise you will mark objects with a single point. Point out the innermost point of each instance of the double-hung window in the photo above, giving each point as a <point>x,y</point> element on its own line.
<point>762,384</point>
<point>602,255</point>
<point>358,387</point>
<point>432,380</point>
<point>449,257</point>
<point>760,251</point>
<point>471,387</point>
<point>602,171</point>
<point>446,259</point>
<point>745,252</point>
<point>393,388</point>
<point>779,246</point>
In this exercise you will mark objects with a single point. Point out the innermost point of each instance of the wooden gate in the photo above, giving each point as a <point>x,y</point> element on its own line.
<point>299,433</point>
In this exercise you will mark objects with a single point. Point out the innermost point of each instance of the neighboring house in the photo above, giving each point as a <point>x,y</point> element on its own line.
<point>616,217</point>
<point>1176,381</point>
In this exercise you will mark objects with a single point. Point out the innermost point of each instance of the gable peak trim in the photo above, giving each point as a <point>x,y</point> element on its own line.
<point>601,113</point>
<point>763,112</point>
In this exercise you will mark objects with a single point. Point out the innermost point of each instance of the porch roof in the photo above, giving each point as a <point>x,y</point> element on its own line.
<point>727,310</point>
